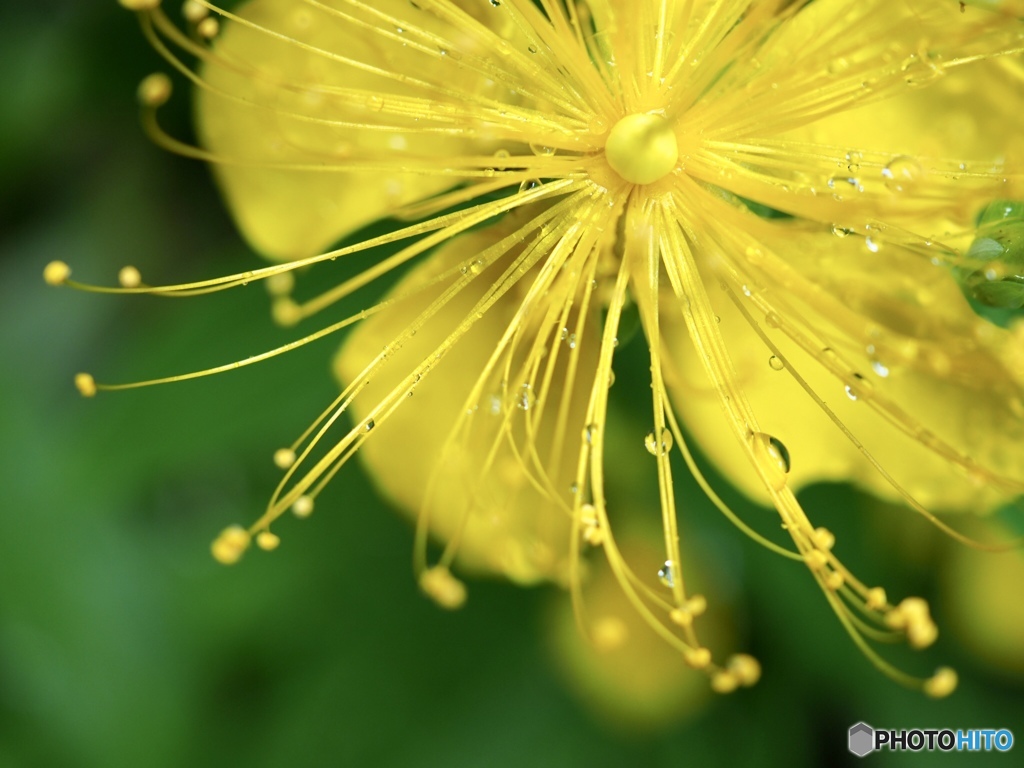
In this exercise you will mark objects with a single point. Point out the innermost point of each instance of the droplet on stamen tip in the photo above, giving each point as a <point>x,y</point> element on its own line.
<point>659,445</point>
<point>284,457</point>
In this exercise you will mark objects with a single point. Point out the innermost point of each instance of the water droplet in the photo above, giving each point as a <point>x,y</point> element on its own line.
<point>656,446</point>
<point>370,425</point>
<point>542,150</point>
<point>772,457</point>
<point>524,400</point>
<point>477,267</point>
<point>529,184</point>
<point>879,368</point>
<point>841,231</point>
<point>871,244</point>
<point>588,433</point>
<point>775,363</point>
<point>853,159</point>
<point>496,3</point>
<point>666,574</point>
<point>901,173</point>
<point>858,388</point>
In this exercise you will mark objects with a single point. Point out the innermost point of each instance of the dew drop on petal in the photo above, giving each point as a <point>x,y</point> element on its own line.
<point>775,363</point>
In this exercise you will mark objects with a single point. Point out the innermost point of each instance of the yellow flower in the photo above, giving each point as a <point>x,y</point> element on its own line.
<point>809,207</point>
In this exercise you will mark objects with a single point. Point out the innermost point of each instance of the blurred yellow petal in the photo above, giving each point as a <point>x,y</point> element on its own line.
<point>484,494</point>
<point>295,98</point>
<point>982,593</point>
<point>621,669</point>
<point>925,351</point>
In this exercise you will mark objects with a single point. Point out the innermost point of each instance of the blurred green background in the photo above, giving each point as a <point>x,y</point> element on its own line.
<point>123,644</point>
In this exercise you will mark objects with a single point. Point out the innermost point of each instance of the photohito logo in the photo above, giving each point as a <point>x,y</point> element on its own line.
<point>863,740</point>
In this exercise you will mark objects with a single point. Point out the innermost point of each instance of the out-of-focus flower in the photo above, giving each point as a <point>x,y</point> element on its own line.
<point>810,208</point>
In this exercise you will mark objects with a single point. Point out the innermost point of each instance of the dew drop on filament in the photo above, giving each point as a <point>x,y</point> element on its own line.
<point>666,574</point>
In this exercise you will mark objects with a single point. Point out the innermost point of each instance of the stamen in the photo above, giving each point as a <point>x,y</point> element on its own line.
<point>439,584</point>
<point>267,541</point>
<point>56,273</point>
<point>229,547</point>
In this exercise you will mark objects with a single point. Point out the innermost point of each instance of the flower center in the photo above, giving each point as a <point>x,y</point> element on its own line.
<point>642,148</point>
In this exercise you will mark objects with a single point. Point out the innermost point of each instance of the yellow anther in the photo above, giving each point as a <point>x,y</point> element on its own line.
<point>285,312</point>
<point>745,668</point>
<point>922,633</point>
<point>697,604</point>
<point>56,273</point>
<point>876,599</point>
<point>610,633</point>
<point>681,616</point>
<point>268,541</point>
<point>284,457</point>
<point>816,560</point>
<point>194,12</point>
<point>229,547</point>
<point>303,506</point>
<point>824,539</point>
<point>155,90</point>
<point>835,581</point>
<point>140,5</point>
<point>208,27</point>
<point>642,148</point>
<point>914,608</point>
<point>697,658</point>
<point>724,682</point>
<point>942,683</point>
<point>594,536</point>
<point>443,588</point>
<point>280,284</point>
<point>85,384</point>
<point>129,277</point>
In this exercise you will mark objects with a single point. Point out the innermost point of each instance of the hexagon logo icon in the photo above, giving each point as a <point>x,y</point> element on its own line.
<point>861,739</point>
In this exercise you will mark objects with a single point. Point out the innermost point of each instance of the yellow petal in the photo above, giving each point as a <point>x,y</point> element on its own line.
<point>481,493</point>
<point>287,87</point>
<point>986,614</point>
<point>945,368</point>
<point>622,669</point>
